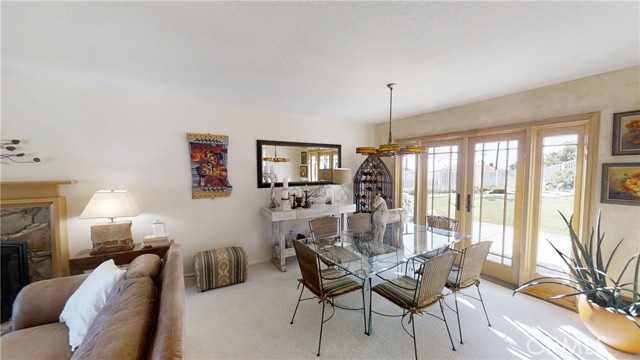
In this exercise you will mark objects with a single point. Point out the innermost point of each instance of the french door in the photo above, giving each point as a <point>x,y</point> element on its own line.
<point>494,195</point>
<point>508,188</point>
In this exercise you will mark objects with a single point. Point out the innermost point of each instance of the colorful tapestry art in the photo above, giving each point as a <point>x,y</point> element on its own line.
<point>209,166</point>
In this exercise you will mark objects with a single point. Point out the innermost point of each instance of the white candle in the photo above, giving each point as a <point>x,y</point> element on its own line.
<point>286,184</point>
<point>285,195</point>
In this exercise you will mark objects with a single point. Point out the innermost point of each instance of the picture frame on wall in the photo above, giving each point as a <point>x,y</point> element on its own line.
<point>621,183</point>
<point>304,171</point>
<point>303,158</point>
<point>626,133</point>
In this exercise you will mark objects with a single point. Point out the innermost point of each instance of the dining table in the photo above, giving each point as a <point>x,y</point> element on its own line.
<point>358,253</point>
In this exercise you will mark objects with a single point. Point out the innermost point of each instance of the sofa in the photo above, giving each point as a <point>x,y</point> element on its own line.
<point>142,317</point>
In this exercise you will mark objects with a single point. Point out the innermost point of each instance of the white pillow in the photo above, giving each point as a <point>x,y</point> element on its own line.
<point>87,301</point>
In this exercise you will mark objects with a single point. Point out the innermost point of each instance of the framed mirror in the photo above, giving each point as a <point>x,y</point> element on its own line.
<point>301,163</point>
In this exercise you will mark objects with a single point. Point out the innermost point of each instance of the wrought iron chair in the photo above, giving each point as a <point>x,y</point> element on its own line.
<point>359,222</point>
<point>325,284</point>
<point>442,222</point>
<point>325,227</point>
<point>468,274</point>
<point>415,295</point>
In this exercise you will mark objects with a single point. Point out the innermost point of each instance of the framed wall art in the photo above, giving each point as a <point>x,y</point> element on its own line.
<point>209,175</point>
<point>303,171</point>
<point>621,183</point>
<point>626,133</point>
<point>303,158</point>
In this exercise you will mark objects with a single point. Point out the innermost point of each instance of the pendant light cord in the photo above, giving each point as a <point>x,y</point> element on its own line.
<point>390,86</point>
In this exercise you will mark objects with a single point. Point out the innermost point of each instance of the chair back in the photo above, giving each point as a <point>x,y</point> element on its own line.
<point>473,257</point>
<point>309,266</point>
<point>432,278</point>
<point>359,222</point>
<point>442,222</point>
<point>324,226</point>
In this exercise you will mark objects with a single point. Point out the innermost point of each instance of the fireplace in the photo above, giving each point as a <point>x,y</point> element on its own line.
<point>33,235</point>
<point>14,274</point>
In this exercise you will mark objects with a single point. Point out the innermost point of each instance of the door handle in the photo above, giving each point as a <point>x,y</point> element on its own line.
<point>468,203</point>
<point>458,202</point>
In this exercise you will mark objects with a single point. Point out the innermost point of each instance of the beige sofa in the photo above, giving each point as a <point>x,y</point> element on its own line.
<point>142,318</point>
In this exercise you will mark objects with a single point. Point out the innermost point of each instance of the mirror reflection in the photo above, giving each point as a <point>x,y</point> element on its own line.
<point>300,163</point>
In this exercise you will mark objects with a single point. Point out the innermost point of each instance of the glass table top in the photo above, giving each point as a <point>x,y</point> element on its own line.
<point>358,252</point>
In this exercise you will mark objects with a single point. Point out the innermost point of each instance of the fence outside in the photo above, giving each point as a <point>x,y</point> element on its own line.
<point>439,180</point>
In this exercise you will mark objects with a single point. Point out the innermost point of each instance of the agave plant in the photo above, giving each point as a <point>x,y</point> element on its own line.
<point>588,275</point>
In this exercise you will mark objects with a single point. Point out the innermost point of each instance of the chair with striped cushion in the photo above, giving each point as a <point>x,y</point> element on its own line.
<point>414,295</point>
<point>325,284</point>
<point>359,222</point>
<point>467,273</point>
<point>325,228</point>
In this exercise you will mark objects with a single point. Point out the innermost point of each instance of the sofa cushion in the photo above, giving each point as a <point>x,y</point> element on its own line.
<point>144,265</point>
<point>122,329</point>
<point>50,341</point>
<point>85,303</point>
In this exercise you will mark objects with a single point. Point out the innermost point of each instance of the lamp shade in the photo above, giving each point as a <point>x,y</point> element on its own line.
<point>342,176</point>
<point>110,204</point>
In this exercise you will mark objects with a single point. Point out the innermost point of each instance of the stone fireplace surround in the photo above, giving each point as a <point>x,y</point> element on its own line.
<point>34,212</point>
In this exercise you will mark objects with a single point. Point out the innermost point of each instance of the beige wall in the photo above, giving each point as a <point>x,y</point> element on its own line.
<point>606,93</point>
<point>108,139</point>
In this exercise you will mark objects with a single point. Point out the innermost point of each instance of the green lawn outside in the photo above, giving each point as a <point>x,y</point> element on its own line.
<point>550,219</point>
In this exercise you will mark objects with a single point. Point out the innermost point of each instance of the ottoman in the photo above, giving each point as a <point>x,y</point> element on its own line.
<point>220,267</point>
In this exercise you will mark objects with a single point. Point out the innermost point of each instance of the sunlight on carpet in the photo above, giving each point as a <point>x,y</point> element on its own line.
<point>251,320</point>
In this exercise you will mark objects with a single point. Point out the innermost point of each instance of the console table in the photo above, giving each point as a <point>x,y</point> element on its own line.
<point>278,218</point>
<point>85,261</point>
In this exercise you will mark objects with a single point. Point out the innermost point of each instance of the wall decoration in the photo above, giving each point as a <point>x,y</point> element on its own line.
<point>626,133</point>
<point>621,183</point>
<point>303,158</point>
<point>209,166</point>
<point>303,171</point>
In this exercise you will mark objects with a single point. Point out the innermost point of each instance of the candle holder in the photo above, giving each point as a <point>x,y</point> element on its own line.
<point>307,204</point>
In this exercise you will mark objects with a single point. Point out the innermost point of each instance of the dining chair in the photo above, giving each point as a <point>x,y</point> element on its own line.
<point>325,284</point>
<point>467,273</point>
<point>324,227</point>
<point>442,222</point>
<point>359,222</point>
<point>414,295</point>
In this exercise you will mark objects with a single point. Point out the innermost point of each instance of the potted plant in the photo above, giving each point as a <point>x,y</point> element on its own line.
<point>609,309</point>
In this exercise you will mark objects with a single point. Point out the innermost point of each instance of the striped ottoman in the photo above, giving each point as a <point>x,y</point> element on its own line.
<point>220,267</point>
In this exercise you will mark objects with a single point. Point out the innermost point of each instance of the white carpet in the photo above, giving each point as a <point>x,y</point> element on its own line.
<point>251,321</point>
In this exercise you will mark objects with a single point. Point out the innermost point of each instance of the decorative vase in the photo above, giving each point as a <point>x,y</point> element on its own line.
<point>273,204</point>
<point>613,329</point>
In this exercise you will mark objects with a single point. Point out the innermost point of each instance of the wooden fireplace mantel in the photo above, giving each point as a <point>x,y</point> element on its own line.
<point>43,193</point>
<point>15,190</point>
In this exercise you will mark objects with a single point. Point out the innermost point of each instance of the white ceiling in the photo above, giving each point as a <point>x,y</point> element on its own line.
<point>328,59</point>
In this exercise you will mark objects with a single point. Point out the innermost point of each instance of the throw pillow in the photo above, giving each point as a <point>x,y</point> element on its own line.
<point>86,302</point>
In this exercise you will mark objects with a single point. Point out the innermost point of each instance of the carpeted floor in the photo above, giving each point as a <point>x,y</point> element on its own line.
<point>251,321</point>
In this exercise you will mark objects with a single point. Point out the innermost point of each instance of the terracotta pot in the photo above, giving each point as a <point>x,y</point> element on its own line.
<point>611,328</point>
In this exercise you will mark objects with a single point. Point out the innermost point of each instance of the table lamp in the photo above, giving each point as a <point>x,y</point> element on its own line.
<point>111,236</point>
<point>342,176</point>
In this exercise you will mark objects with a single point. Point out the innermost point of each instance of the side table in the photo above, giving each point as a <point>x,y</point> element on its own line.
<point>83,260</point>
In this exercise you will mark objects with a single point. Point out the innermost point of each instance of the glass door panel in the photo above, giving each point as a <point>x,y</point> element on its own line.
<point>493,197</point>
<point>409,177</point>
<point>557,194</point>
<point>442,195</point>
